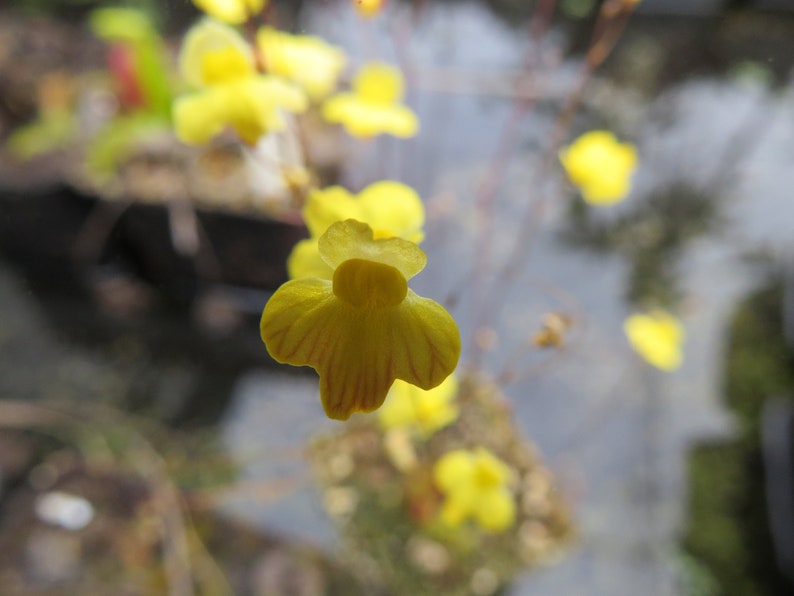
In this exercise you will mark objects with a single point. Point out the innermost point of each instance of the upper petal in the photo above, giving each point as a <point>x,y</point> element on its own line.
<point>308,60</point>
<point>379,82</point>
<point>305,261</point>
<point>208,38</point>
<point>394,208</point>
<point>352,239</point>
<point>328,206</point>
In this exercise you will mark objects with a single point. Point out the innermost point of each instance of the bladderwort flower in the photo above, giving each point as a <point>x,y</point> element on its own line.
<point>657,336</point>
<point>368,8</point>
<point>365,328</point>
<point>600,166</point>
<point>423,411</point>
<point>217,60</point>
<point>390,208</point>
<point>476,486</point>
<point>234,12</point>
<point>373,106</point>
<point>306,60</point>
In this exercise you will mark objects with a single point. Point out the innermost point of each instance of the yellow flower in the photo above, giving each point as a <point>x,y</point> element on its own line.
<point>390,208</point>
<point>475,484</point>
<point>657,337</point>
<point>304,59</point>
<point>217,60</point>
<point>408,406</point>
<point>600,166</point>
<point>365,328</point>
<point>373,107</point>
<point>369,8</point>
<point>252,107</point>
<point>233,12</point>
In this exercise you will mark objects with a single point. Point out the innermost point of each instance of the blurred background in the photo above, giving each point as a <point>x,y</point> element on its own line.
<point>148,444</point>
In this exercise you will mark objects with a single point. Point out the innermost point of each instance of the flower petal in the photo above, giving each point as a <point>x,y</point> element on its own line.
<point>453,469</point>
<point>328,206</point>
<point>198,117</point>
<point>393,209</point>
<point>379,82</point>
<point>657,337</point>
<point>214,40</point>
<point>305,261</point>
<point>234,12</point>
<point>425,410</point>
<point>425,343</point>
<point>352,239</point>
<point>365,119</point>
<point>305,59</point>
<point>495,510</point>
<point>305,324</point>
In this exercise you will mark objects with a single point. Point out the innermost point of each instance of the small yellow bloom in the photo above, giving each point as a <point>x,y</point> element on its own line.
<point>233,12</point>
<point>365,328</point>
<point>657,337</point>
<point>373,107</point>
<point>475,484</point>
<point>304,59</point>
<point>217,60</point>
<point>368,8</point>
<point>600,166</point>
<point>390,208</point>
<point>408,406</point>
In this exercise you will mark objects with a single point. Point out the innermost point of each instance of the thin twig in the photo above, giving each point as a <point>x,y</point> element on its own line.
<point>486,193</point>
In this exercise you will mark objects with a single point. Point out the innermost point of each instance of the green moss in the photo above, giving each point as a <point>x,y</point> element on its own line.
<point>728,532</point>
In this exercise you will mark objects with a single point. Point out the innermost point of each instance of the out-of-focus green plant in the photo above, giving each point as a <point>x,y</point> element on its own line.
<point>56,125</point>
<point>728,523</point>
<point>136,59</point>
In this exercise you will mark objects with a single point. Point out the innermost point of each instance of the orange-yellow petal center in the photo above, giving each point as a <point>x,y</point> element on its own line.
<point>369,285</point>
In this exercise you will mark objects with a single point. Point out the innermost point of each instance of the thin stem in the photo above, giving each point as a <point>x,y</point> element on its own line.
<point>611,22</point>
<point>486,194</point>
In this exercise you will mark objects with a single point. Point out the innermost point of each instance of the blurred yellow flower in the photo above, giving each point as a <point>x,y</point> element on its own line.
<point>475,485</point>
<point>233,12</point>
<point>304,59</point>
<point>656,336</point>
<point>214,53</point>
<point>369,8</point>
<point>390,208</point>
<point>600,166</point>
<point>217,60</point>
<point>365,328</point>
<point>373,107</point>
<point>410,407</point>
